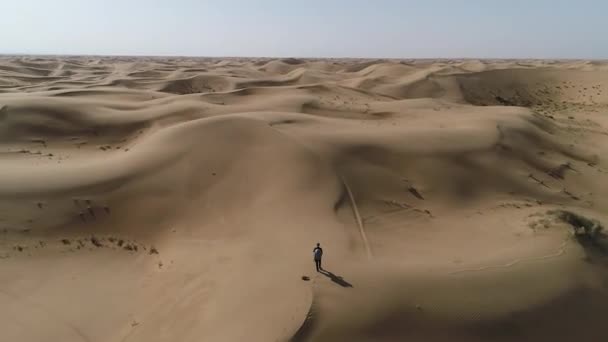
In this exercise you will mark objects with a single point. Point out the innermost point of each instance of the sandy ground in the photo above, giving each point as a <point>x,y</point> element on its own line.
<point>179,199</point>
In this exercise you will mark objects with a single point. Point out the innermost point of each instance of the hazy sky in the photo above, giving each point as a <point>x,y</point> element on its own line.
<point>308,28</point>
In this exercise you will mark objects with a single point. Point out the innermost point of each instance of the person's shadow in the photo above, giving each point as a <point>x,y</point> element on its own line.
<point>335,278</point>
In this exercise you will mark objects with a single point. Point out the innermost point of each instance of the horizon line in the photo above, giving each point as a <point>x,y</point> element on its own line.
<point>2,54</point>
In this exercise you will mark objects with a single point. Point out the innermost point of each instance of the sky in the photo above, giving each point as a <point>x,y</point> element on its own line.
<point>312,28</point>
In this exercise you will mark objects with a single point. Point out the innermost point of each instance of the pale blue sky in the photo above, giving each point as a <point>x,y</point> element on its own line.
<point>308,28</point>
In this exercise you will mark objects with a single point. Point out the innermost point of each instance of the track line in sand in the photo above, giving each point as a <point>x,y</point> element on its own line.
<point>358,219</point>
<point>368,250</point>
<point>560,251</point>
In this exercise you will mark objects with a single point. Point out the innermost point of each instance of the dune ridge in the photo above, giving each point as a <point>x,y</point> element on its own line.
<point>179,199</point>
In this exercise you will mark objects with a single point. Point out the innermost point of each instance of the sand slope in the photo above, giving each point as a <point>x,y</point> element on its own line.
<point>179,199</point>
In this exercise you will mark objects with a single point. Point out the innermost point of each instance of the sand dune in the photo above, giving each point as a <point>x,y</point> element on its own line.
<point>179,199</point>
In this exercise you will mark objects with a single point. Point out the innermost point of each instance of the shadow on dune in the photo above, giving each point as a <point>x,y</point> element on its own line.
<point>336,279</point>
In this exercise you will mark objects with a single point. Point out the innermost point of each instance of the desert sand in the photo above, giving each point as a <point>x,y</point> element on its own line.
<point>179,199</point>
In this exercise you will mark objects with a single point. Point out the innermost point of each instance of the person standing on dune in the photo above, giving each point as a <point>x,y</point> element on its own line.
<point>318,254</point>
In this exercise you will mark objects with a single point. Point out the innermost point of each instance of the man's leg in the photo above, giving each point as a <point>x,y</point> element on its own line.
<point>321,268</point>
<point>318,264</point>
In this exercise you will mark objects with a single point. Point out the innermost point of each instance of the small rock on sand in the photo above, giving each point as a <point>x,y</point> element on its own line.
<point>95,241</point>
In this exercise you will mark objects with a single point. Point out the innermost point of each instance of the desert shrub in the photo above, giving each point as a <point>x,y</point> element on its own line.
<point>582,225</point>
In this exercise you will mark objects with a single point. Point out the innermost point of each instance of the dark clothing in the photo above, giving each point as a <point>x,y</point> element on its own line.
<point>318,254</point>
